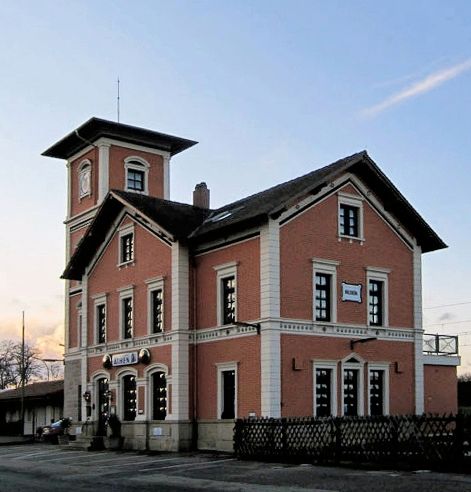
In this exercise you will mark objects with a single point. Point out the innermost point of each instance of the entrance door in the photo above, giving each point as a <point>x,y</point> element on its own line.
<point>103,406</point>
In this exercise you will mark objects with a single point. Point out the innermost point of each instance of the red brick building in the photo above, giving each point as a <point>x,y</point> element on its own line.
<point>303,299</point>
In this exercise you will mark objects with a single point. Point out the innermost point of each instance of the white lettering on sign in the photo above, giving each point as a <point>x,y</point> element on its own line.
<point>351,292</point>
<point>124,359</point>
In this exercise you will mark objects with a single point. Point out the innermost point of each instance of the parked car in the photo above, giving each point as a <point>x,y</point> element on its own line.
<point>51,433</point>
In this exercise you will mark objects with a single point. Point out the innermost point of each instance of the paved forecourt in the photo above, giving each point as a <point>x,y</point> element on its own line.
<point>40,467</point>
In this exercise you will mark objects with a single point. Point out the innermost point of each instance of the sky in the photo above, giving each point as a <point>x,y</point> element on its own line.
<point>270,89</point>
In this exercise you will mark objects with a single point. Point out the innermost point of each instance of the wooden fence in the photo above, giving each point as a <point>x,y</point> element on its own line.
<point>414,439</point>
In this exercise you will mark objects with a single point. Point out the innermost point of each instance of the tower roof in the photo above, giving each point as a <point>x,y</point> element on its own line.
<point>95,128</point>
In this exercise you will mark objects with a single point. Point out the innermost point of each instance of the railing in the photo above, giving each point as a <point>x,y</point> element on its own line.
<point>440,344</point>
<point>409,439</point>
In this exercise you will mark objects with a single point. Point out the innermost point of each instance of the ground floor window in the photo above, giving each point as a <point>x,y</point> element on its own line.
<point>227,391</point>
<point>159,393</point>
<point>129,397</point>
<point>350,392</point>
<point>325,388</point>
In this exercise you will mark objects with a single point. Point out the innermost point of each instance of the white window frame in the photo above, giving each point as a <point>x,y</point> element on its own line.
<point>328,267</point>
<point>381,275</point>
<point>120,392</point>
<point>101,374</point>
<point>360,366</point>
<point>222,367</point>
<point>125,293</point>
<point>222,272</point>
<point>137,164</point>
<point>99,300</point>
<point>85,167</point>
<point>150,371</point>
<point>352,201</point>
<point>153,285</point>
<point>333,366</point>
<point>124,231</point>
<point>380,366</point>
<point>79,324</point>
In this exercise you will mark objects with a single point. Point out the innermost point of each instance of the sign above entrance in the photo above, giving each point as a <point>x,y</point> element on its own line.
<point>124,359</point>
<point>351,292</point>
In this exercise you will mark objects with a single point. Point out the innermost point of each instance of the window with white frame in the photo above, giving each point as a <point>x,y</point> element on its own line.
<point>378,389</point>
<point>137,175</point>
<point>100,318</point>
<point>325,290</point>
<point>155,305</point>
<point>325,388</point>
<point>85,179</point>
<point>159,395</point>
<point>352,387</point>
<point>350,216</point>
<point>126,312</point>
<point>126,245</point>
<point>79,324</point>
<point>377,281</point>
<point>129,397</point>
<point>227,390</point>
<point>226,278</point>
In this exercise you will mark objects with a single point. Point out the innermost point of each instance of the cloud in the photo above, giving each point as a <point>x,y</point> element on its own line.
<point>421,87</point>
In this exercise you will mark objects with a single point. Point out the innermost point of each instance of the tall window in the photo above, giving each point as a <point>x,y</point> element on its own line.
<point>127,247</point>
<point>376,392</point>
<point>157,311</point>
<point>228,300</point>
<point>375,315</point>
<point>159,392</point>
<point>323,297</point>
<point>323,392</point>
<point>129,398</point>
<point>349,220</point>
<point>101,323</point>
<point>127,317</point>
<point>227,393</point>
<point>137,174</point>
<point>350,392</point>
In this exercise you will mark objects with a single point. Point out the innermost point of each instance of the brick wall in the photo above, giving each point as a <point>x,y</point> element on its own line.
<point>440,389</point>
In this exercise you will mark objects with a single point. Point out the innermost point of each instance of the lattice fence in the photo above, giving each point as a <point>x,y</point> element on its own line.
<point>385,439</point>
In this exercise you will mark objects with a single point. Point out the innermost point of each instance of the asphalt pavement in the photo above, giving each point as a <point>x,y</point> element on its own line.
<point>44,467</point>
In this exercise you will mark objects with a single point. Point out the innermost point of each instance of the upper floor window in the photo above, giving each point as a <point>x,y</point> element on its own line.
<point>84,181</point>
<point>350,220</point>
<point>377,281</point>
<point>101,323</point>
<point>325,289</point>
<point>137,174</point>
<point>226,293</point>
<point>127,317</point>
<point>155,305</point>
<point>127,247</point>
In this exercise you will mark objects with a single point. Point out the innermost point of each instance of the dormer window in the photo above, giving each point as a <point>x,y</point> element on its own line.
<point>85,171</point>
<point>137,174</point>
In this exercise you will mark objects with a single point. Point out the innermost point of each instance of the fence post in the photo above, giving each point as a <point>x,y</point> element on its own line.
<point>283,437</point>
<point>237,437</point>
<point>338,439</point>
<point>459,436</point>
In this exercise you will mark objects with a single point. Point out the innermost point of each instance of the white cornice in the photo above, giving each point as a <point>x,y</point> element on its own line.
<point>142,148</point>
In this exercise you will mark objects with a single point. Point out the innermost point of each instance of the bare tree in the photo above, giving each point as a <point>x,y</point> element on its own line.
<point>16,366</point>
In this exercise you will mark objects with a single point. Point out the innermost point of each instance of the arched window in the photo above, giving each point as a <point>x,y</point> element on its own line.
<point>129,397</point>
<point>85,181</point>
<point>137,171</point>
<point>159,395</point>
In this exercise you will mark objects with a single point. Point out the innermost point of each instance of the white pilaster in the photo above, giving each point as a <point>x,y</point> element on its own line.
<point>270,326</point>
<point>166,160</point>
<point>84,342</point>
<point>180,335</point>
<point>69,190</point>
<point>418,332</point>
<point>103,170</point>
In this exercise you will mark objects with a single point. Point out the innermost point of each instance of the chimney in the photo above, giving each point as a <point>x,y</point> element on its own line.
<point>201,196</point>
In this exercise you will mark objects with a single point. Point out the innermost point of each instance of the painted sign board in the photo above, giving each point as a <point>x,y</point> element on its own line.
<point>124,359</point>
<point>351,292</point>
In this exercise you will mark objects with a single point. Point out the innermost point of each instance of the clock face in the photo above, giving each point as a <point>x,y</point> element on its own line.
<point>85,183</point>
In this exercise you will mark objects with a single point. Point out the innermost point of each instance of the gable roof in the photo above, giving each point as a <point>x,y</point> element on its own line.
<point>94,128</point>
<point>33,390</point>
<point>273,201</point>
<point>177,219</point>
<point>186,222</point>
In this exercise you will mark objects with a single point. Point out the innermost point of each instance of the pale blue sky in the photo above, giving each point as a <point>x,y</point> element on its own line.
<point>270,89</point>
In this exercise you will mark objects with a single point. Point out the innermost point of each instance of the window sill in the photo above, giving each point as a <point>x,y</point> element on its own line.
<point>125,264</point>
<point>143,192</point>
<point>351,239</point>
